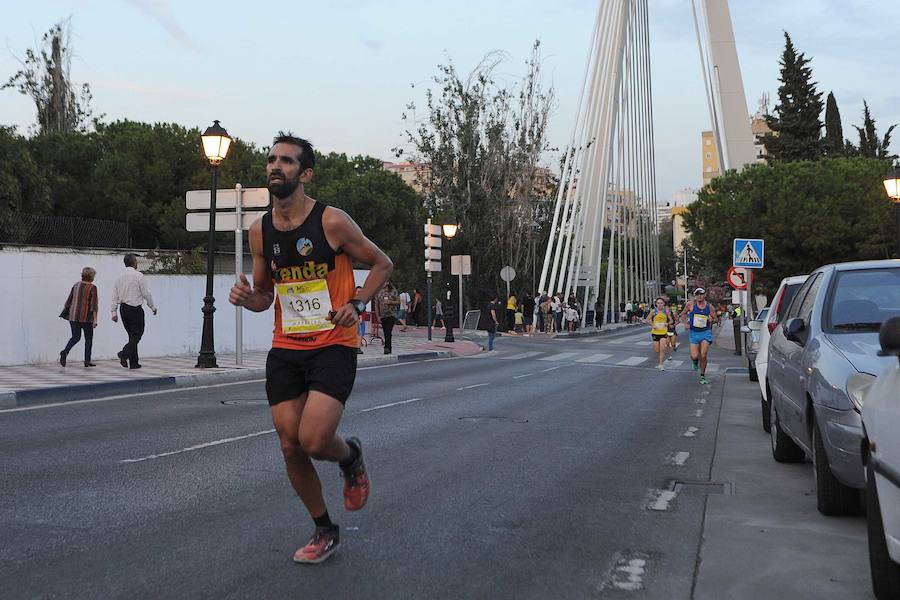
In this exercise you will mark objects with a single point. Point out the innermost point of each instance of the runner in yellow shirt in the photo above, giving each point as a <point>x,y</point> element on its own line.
<point>659,319</point>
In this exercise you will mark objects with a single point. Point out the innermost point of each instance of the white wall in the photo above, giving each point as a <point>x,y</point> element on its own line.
<point>36,282</point>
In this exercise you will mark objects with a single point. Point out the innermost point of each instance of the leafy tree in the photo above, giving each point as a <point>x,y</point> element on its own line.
<point>45,77</point>
<point>834,131</point>
<point>796,128</point>
<point>22,189</point>
<point>666,252</point>
<point>810,213</point>
<point>389,212</point>
<point>870,145</point>
<point>482,143</point>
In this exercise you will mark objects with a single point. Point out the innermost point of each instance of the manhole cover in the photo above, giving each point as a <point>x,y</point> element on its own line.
<point>242,402</point>
<point>502,419</point>
<point>704,487</point>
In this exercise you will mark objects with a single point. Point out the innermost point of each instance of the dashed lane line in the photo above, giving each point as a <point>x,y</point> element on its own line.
<point>379,407</point>
<point>522,376</point>
<point>520,356</point>
<point>690,432</point>
<point>471,387</point>
<point>677,458</point>
<point>197,447</point>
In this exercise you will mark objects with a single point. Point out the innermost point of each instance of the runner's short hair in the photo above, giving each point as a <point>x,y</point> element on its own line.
<point>307,155</point>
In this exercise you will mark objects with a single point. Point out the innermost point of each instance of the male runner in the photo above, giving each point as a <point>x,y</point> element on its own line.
<point>699,316</point>
<point>303,255</point>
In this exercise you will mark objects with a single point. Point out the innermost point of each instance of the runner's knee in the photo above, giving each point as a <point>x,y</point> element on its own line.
<point>315,443</point>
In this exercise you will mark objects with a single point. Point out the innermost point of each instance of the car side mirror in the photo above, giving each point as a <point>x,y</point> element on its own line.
<point>794,328</point>
<point>755,325</point>
<point>889,337</point>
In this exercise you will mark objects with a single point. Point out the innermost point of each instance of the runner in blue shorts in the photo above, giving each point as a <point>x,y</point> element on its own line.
<point>698,317</point>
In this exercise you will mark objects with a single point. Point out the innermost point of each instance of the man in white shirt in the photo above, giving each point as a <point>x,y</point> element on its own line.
<point>129,295</point>
<point>404,310</point>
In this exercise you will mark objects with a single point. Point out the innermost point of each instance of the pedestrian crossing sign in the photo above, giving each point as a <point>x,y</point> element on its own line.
<point>748,253</point>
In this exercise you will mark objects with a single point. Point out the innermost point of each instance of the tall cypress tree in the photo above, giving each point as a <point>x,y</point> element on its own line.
<point>870,145</point>
<point>796,128</point>
<point>834,132</point>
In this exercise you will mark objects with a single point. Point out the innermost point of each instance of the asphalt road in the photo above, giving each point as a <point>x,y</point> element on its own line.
<point>516,474</point>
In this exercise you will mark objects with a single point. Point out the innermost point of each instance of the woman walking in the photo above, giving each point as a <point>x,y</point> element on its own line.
<point>659,319</point>
<point>81,313</point>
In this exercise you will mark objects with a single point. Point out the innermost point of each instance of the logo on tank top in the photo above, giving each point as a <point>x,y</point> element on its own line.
<point>304,246</point>
<point>276,249</point>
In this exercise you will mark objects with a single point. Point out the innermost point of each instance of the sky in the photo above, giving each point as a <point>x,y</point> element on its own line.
<point>341,72</point>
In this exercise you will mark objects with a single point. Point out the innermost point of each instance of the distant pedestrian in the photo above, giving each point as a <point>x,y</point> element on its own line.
<point>510,320</point>
<point>129,295</point>
<point>418,308</point>
<point>528,313</point>
<point>439,313</point>
<point>81,311</point>
<point>493,321</point>
<point>520,320</point>
<point>557,312</point>
<point>388,305</point>
<point>403,313</point>
<point>571,315</point>
<point>598,313</point>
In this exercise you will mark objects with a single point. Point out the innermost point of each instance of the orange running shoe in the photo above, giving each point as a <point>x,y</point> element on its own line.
<point>323,543</point>
<point>356,479</point>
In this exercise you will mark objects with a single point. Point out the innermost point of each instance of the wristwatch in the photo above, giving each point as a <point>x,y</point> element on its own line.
<point>359,305</point>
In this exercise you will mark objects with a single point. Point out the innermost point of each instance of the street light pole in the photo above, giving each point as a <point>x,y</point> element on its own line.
<point>892,187</point>
<point>449,232</point>
<point>216,143</point>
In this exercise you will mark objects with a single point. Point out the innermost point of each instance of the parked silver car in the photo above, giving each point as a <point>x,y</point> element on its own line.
<point>830,333</point>
<point>751,341</point>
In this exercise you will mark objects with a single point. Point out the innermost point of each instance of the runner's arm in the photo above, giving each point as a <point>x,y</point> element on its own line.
<point>346,235</point>
<point>260,297</point>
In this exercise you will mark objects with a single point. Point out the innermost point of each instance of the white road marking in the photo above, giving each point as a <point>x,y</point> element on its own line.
<point>660,499</point>
<point>486,354</point>
<point>594,358</point>
<point>632,361</point>
<point>674,364</point>
<point>628,572</point>
<point>525,375</point>
<point>552,368</point>
<point>560,356</point>
<point>645,343</point>
<point>700,400</point>
<point>690,432</point>
<point>698,412</point>
<point>704,393</point>
<point>469,387</point>
<point>629,339</point>
<point>198,446</point>
<point>712,368</point>
<point>519,356</point>
<point>677,458</point>
<point>379,407</point>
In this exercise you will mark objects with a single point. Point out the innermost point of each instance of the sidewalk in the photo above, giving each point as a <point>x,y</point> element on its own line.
<point>22,385</point>
<point>767,540</point>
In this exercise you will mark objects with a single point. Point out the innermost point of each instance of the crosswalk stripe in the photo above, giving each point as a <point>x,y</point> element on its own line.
<point>486,354</point>
<point>674,363</point>
<point>594,358</point>
<point>712,368</point>
<point>632,361</point>
<point>518,356</point>
<point>629,339</point>
<point>560,356</point>
<point>645,343</point>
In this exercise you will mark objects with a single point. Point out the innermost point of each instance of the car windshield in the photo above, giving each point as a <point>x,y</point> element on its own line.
<point>864,299</point>
<point>761,315</point>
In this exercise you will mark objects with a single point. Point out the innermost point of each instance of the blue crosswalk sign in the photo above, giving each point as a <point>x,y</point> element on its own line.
<point>749,253</point>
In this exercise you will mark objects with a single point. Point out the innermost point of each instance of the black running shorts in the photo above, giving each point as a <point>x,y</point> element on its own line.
<point>659,336</point>
<point>291,373</point>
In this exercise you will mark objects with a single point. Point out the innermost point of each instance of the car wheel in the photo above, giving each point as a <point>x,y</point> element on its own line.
<point>832,497</point>
<point>766,420</point>
<point>784,449</point>
<point>885,572</point>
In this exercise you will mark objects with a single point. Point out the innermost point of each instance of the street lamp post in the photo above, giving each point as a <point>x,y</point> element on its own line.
<point>449,231</point>
<point>216,143</point>
<point>892,187</point>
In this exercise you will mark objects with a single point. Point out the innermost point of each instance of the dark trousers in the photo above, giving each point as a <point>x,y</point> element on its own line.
<point>77,328</point>
<point>387,325</point>
<point>510,319</point>
<point>133,320</point>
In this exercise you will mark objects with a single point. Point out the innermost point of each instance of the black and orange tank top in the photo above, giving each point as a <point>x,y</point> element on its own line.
<point>310,279</point>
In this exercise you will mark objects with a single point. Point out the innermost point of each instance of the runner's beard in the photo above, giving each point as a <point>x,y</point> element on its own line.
<point>284,188</point>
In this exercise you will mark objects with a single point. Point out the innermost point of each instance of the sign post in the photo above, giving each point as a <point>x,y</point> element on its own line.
<point>432,263</point>
<point>461,264</point>
<point>748,253</point>
<point>507,274</point>
<point>237,221</point>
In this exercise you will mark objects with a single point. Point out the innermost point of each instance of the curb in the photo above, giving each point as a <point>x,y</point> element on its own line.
<point>595,333</point>
<point>19,398</point>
